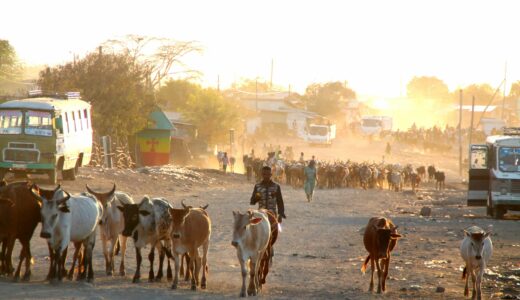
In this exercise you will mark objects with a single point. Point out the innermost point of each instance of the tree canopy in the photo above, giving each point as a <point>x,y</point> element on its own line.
<point>117,87</point>
<point>9,65</point>
<point>483,94</point>
<point>174,94</point>
<point>326,98</point>
<point>428,88</point>
<point>212,114</point>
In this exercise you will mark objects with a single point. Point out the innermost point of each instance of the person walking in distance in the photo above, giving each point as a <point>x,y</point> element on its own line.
<point>225,162</point>
<point>310,179</point>
<point>268,195</point>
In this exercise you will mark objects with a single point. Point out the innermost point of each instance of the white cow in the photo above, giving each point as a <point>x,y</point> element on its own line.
<point>476,250</point>
<point>149,223</point>
<point>111,226</point>
<point>68,219</point>
<point>251,234</point>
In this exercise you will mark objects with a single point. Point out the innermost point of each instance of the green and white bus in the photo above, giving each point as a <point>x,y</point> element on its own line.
<point>45,135</point>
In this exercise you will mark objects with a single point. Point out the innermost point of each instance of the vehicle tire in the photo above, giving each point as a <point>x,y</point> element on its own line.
<point>69,174</point>
<point>53,176</point>
<point>498,212</point>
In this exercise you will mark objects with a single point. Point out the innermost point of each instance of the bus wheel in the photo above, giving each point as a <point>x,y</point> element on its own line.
<point>69,174</point>
<point>498,212</point>
<point>53,176</point>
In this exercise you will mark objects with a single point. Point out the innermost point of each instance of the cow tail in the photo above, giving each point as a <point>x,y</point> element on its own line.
<point>464,273</point>
<point>364,266</point>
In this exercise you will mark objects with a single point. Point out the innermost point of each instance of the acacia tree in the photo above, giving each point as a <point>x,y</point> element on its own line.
<point>159,56</point>
<point>116,87</point>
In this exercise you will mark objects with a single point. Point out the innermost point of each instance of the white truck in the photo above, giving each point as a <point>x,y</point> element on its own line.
<point>371,125</point>
<point>321,134</point>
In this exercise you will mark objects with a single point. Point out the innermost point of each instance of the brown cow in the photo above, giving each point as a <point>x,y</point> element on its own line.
<point>190,230</point>
<point>24,215</point>
<point>380,239</point>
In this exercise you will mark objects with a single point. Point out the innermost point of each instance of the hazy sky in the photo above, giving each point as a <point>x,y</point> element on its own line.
<point>377,46</point>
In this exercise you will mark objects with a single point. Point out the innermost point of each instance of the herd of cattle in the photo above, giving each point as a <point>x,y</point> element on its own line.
<point>176,234</point>
<point>341,174</point>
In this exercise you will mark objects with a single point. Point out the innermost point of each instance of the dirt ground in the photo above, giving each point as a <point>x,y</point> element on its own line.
<point>320,251</point>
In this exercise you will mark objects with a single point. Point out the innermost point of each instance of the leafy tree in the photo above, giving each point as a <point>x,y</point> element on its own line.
<point>9,65</point>
<point>326,98</point>
<point>251,85</point>
<point>212,114</point>
<point>174,94</point>
<point>117,88</point>
<point>425,88</point>
<point>483,94</point>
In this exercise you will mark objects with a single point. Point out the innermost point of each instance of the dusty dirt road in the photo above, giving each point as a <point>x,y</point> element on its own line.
<point>318,254</point>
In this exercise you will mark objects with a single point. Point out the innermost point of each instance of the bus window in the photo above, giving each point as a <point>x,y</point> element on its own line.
<point>478,158</point>
<point>59,124</point>
<point>77,121</point>
<point>10,122</point>
<point>67,122</point>
<point>73,121</point>
<point>81,125</point>
<point>38,123</point>
<point>85,113</point>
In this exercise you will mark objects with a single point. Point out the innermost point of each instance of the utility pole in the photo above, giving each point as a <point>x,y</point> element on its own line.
<point>218,82</point>
<point>256,94</point>
<point>471,123</point>
<point>504,99</point>
<point>460,132</point>
<point>272,67</point>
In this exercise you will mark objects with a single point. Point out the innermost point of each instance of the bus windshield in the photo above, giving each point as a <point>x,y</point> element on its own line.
<point>371,123</point>
<point>509,159</point>
<point>38,123</point>
<point>315,130</point>
<point>10,122</point>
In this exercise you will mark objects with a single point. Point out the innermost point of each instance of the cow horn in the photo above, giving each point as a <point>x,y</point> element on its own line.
<point>91,191</point>
<point>57,188</point>
<point>183,205</point>
<point>205,206</point>
<point>64,199</point>
<point>36,194</point>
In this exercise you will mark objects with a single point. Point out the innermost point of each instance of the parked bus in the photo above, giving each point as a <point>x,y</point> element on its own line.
<point>494,173</point>
<point>45,135</point>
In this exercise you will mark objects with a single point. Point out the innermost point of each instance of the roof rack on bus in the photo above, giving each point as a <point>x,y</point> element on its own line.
<point>511,130</point>
<point>55,95</point>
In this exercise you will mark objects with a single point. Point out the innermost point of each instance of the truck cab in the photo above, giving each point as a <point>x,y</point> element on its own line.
<point>321,134</point>
<point>494,173</point>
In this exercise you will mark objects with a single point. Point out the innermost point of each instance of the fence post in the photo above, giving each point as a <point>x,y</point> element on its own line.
<point>107,151</point>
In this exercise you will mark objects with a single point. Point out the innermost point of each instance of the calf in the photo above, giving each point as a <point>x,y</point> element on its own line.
<point>415,180</point>
<point>476,250</point>
<point>380,239</point>
<point>148,223</point>
<point>439,180</point>
<point>190,230</point>
<point>112,225</point>
<point>251,235</point>
<point>422,172</point>
<point>68,219</point>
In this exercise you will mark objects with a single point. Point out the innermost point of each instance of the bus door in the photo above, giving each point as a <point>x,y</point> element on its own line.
<point>478,185</point>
